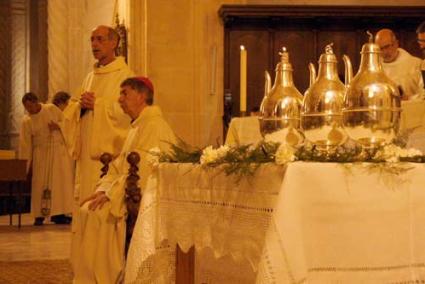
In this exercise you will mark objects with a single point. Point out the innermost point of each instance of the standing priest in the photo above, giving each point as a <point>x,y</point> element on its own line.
<point>100,235</point>
<point>95,123</point>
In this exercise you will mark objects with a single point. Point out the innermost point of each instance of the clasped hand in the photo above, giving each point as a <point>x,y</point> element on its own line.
<point>97,200</point>
<point>87,100</point>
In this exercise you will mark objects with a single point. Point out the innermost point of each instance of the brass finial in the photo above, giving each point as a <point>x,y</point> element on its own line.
<point>328,48</point>
<point>284,55</point>
<point>370,36</point>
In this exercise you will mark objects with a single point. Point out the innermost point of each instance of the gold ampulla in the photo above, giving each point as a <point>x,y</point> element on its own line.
<point>321,115</point>
<point>281,105</point>
<point>371,111</point>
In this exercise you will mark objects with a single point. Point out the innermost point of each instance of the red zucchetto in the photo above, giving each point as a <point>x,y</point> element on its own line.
<point>146,81</point>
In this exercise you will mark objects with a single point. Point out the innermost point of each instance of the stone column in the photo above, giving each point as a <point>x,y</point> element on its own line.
<point>38,48</point>
<point>19,64</point>
<point>58,46</point>
<point>5,59</point>
<point>138,36</point>
<point>69,28</point>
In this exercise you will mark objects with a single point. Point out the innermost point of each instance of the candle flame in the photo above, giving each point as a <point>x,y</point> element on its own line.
<point>242,47</point>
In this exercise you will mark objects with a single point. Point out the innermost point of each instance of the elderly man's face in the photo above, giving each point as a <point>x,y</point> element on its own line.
<point>389,49</point>
<point>103,47</point>
<point>131,101</point>
<point>421,42</point>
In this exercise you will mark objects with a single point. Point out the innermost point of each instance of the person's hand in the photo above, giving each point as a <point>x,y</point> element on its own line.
<point>97,200</point>
<point>87,100</point>
<point>53,126</point>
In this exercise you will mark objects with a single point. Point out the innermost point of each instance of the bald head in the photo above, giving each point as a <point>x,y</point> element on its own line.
<point>112,33</point>
<point>104,41</point>
<point>388,43</point>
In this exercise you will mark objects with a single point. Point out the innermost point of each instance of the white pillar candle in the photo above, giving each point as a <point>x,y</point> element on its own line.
<point>243,79</point>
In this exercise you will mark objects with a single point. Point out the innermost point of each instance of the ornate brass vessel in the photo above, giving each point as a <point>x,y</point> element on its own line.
<point>321,115</point>
<point>372,102</point>
<point>281,105</point>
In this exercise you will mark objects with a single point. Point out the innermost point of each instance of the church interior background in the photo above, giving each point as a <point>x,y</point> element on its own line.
<point>180,45</point>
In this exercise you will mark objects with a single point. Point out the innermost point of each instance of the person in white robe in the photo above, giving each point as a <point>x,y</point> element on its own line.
<point>61,100</point>
<point>41,143</point>
<point>100,236</point>
<point>95,123</point>
<point>400,66</point>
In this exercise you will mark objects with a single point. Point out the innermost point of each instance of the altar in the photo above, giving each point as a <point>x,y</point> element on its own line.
<point>301,223</point>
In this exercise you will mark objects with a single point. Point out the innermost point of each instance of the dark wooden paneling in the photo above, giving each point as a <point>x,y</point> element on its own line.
<point>185,266</point>
<point>300,45</point>
<point>344,42</point>
<point>407,40</point>
<point>257,44</point>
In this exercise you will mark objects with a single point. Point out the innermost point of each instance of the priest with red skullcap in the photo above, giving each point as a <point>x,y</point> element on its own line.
<point>100,234</point>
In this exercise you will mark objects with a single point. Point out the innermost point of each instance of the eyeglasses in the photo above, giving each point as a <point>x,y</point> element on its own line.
<point>421,40</point>
<point>387,46</point>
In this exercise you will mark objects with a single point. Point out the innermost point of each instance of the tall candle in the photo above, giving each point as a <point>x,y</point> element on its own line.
<point>243,80</point>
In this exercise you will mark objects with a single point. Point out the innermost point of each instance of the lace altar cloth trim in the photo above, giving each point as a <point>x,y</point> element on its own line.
<point>186,205</point>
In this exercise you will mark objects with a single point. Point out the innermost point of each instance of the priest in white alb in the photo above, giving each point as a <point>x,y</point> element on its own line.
<point>100,235</point>
<point>400,66</point>
<point>41,143</point>
<point>95,123</point>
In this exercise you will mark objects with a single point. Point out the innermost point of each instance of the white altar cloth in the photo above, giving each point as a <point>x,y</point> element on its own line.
<point>331,223</point>
<point>243,130</point>
<point>183,204</point>
<point>346,225</point>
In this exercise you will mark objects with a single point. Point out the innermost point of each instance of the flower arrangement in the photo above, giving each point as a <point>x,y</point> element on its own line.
<point>245,159</point>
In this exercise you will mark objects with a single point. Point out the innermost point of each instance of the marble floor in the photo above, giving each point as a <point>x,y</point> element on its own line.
<point>45,242</point>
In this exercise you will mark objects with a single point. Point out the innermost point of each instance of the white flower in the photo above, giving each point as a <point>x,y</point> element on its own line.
<point>153,157</point>
<point>391,153</point>
<point>222,151</point>
<point>284,154</point>
<point>211,155</point>
<point>412,152</point>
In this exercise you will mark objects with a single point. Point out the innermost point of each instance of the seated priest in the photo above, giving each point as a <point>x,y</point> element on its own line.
<point>100,236</point>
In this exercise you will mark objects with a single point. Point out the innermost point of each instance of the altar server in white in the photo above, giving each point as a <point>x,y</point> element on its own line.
<point>42,144</point>
<point>100,235</point>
